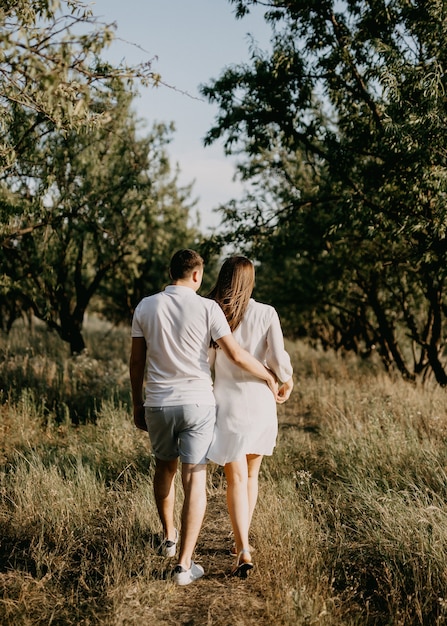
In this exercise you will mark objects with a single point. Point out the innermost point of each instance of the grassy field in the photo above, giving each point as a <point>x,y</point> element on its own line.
<point>350,528</point>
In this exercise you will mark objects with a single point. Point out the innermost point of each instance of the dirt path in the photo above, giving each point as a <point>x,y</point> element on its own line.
<point>218,599</point>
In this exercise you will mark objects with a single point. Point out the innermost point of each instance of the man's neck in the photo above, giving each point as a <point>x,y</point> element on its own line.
<point>193,280</point>
<point>185,283</point>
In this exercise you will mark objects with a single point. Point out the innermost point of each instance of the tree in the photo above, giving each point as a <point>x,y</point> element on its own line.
<point>343,130</point>
<point>51,72</point>
<point>146,271</point>
<point>85,209</point>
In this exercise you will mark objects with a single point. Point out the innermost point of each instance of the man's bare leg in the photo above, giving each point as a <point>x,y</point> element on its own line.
<point>164,492</point>
<point>194,507</point>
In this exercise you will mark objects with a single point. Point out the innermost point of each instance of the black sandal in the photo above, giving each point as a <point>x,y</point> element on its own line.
<point>242,568</point>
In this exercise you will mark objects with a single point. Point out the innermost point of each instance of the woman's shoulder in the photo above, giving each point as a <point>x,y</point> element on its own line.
<point>260,306</point>
<point>260,309</point>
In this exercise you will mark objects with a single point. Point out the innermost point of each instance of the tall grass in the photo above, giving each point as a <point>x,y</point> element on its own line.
<point>359,480</point>
<point>66,387</point>
<point>350,527</point>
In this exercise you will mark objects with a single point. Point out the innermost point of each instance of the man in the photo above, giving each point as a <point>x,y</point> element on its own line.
<point>171,333</point>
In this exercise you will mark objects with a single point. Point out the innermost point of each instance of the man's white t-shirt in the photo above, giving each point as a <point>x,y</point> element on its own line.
<point>178,326</point>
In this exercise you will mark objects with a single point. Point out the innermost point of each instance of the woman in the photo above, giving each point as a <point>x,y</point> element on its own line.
<point>246,423</point>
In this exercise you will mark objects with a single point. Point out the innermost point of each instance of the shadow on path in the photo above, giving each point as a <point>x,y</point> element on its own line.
<point>217,599</point>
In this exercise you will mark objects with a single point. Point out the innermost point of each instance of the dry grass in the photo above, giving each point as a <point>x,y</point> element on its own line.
<point>350,528</point>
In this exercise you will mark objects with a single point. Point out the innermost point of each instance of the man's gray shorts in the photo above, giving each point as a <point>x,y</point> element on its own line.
<point>183,431</point>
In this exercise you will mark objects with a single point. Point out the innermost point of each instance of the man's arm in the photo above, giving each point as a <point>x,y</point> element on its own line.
<point>246,361</point>
<point>137,366</point>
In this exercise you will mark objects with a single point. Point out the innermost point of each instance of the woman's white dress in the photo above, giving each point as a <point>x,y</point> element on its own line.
<point>246,420</point>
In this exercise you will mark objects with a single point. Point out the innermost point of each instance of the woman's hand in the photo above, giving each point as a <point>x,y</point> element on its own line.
<point>284,391</point>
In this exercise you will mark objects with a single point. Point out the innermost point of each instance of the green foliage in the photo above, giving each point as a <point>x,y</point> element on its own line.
<point>89,207</point>
<point>51,72</point>
<point>343,130</point>
<point>91,211</point>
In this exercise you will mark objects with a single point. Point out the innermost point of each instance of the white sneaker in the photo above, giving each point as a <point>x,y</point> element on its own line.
<point>183,576</point>
<point>168,548</point>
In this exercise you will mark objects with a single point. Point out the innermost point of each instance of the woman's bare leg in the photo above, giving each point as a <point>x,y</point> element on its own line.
<point>236,473</point>
<point>253,466</point>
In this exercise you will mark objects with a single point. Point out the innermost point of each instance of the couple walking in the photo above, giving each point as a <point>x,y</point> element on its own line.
<point>177,337</point>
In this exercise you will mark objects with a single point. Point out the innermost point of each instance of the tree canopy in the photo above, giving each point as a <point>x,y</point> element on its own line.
<point>341,130</point>
<point>90,207</point>
<point>51,71</point>
<point>88,212</point>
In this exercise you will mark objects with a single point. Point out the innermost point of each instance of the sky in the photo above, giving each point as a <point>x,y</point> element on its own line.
<point>190,43</point>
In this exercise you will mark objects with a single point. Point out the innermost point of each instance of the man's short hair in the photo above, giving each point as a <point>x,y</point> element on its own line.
<point>183,263</point>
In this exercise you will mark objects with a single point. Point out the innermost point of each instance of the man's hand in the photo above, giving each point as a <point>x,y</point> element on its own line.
<point>284,391</point>
<point>272,383</point>
<point>138,417</point>
<point>137,365</point>
<point>273,386</point>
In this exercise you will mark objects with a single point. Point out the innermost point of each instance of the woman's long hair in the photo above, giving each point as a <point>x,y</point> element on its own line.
<point>233,288</point>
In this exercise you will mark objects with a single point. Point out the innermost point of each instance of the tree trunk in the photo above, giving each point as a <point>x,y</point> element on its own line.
<point>77,343</point>
<point>434,295</point>
<point>387,337</point>
<point>70,331</point>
